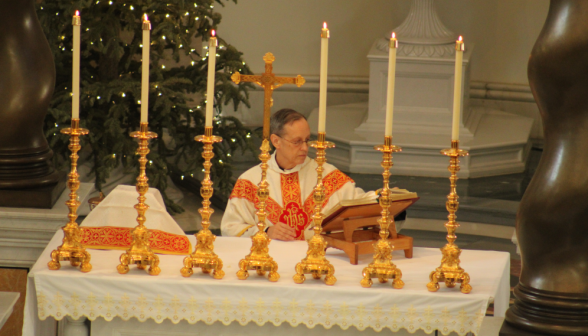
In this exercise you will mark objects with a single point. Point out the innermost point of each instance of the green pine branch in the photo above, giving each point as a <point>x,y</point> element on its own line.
<point>111,87</point>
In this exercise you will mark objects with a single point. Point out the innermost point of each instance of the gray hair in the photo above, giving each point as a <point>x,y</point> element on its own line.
<point>282,118</point>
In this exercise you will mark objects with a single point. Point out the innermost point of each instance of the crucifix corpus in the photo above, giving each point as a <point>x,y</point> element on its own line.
<point>259,259</point>
<point>269,81</point>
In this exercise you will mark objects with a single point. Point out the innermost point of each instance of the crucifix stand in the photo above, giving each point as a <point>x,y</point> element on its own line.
<point>259,258</point>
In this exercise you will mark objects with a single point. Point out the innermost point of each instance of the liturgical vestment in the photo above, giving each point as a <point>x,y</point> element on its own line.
<point>290,198</point>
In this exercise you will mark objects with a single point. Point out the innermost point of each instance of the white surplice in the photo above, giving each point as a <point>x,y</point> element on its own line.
<point>290,198</point>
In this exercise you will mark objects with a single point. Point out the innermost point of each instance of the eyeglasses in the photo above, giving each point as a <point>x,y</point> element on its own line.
<point>296,143</point>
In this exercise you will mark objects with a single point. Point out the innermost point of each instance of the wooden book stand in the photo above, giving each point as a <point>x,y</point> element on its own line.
<point>354,229</point>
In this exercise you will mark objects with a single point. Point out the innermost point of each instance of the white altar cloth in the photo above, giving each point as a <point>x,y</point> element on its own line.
<point>117,209</point>
<point>105,293</point>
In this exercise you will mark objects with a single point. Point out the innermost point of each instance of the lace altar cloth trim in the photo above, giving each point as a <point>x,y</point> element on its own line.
<point>275,311</point>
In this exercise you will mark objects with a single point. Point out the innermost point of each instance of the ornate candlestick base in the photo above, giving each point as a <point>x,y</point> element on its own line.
<point>71,249</point>
<point>315,262</point>
<point>259,258</point>
<point>450,272</point>
<point>382,266</point>
<point>140,252</point>
<point>203,255</point>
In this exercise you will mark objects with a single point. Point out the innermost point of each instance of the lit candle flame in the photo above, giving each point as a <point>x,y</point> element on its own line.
<point>213,33</point>
<point>145,19</point>
<point>460,38</point>
<point>393,35</point>
<point>77,13</point>
<point>324,25</point>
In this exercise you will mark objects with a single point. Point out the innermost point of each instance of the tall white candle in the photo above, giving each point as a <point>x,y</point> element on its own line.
<point>75,83</point>
<point>459,48</point>
<point>323,78</point>
<point>211,79</point>
<point>145,70</point>
<point>391,82</point>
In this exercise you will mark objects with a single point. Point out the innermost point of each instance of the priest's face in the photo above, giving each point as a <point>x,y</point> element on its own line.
<point>292,146</point>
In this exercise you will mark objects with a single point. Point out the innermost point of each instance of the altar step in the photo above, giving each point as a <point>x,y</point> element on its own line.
<point>492,200</point>
<point>489,200</point>
<point>499,144</point>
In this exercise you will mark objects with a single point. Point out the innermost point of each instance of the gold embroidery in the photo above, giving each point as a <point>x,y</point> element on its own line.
<point>192,305</point>
<point>334,181</point>
<point>120,238</point>
<point>175,304</point>
<point>290,185</point>
<point>244,230</point>
<point>247,190</point>
<point>294,213</point>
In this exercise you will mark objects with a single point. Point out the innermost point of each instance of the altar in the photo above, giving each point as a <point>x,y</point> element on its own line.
<point>152,304</point>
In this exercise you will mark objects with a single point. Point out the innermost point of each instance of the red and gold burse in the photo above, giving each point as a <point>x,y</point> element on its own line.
<point>294,213</point>
<point>119,238</point>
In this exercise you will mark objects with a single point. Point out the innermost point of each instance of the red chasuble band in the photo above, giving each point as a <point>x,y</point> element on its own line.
<point>295,214</point>
<point>119,238</point>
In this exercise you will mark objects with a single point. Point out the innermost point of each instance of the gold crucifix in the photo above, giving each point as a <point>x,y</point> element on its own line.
<point>259,258</point>
<point>269,81</point>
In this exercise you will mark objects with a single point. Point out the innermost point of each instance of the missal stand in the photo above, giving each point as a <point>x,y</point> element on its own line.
<point>354,228</point>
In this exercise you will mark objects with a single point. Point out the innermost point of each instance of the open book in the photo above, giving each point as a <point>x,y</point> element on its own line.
<point>352,225</point>
<point>395,195</point>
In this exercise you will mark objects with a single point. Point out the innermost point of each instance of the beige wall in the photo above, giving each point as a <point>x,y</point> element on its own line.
<point>503,31</point>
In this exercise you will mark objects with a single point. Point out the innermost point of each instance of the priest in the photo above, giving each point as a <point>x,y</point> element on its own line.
<point>291,176</point>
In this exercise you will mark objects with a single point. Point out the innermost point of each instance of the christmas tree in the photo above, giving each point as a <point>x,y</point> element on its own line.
<point>110,86</point>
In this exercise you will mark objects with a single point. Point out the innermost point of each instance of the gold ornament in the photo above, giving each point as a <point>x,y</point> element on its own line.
<point>203,255</point>
<point>269,81</point>
<point>259,258</point>
<point>140,252</point>
<point>382,266</point>
<point>315,262</point>
<point>71,248</point>
<point>450,272</point>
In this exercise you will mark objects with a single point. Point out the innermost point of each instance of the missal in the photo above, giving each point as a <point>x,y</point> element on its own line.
<point>366,203</point>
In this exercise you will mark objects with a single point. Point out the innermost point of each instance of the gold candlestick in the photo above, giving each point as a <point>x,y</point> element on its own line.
<point>203,255</point>
<point>259,258</point>
<point>71,248</point>
<point>315,262</point>
<point>382,266</point>
<point>140,252</point>
<point>450,272</point>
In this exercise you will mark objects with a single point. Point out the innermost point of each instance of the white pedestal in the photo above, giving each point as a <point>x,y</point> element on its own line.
<point>25,232</point>
<point>498,142</point>
<point>423,102</point>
